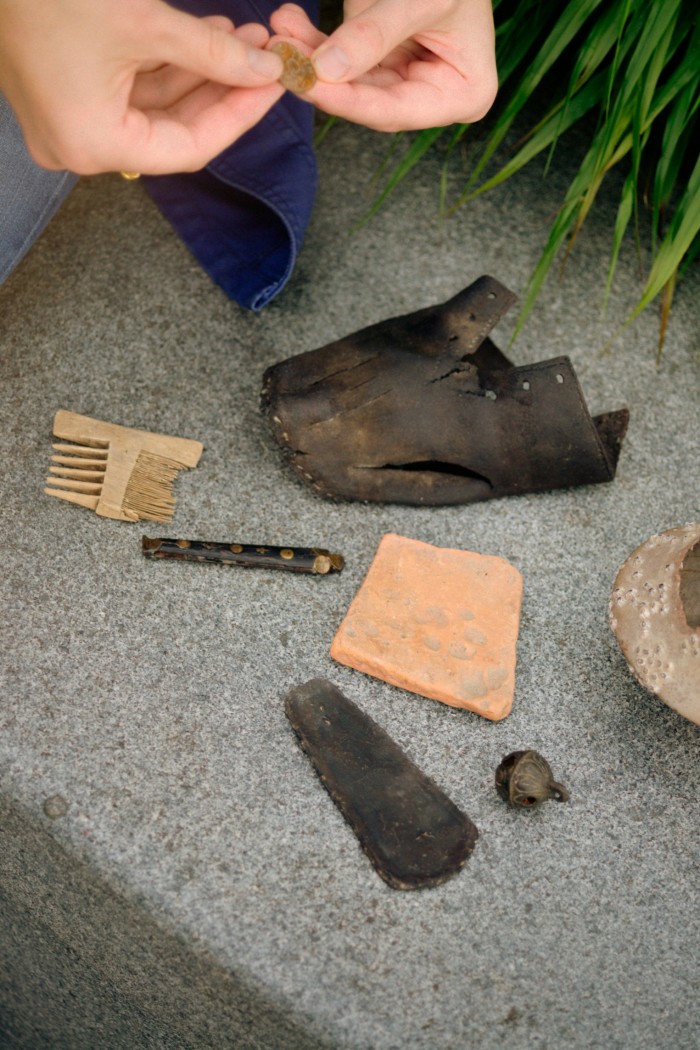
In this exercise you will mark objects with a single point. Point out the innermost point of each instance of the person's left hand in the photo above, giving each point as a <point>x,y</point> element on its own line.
<point>400,64</point>
<point>134,86</point>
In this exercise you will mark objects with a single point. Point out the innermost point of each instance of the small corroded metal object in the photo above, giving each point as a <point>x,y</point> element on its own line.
<point>524,778</point>
<point>311,560</point>
<point>413,834</point>
<point>299,75</point>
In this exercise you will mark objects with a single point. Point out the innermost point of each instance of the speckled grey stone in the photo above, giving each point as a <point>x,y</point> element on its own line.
<point>200,890</point>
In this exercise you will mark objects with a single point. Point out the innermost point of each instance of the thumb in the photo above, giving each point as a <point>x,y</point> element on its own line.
<point>360,43</point>
<point>213,52</point>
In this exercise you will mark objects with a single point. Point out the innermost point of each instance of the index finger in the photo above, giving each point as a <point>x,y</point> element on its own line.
<point>362,41</point>
<point>202,46</point>
<point>386,101</point>
<point>158,143</point>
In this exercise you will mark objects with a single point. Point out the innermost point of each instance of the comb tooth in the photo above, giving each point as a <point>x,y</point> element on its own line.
<point>75,497</point>
<point>76,486</point>
<point>81,475</point>
<point>80,464</point>
<point>85,442</point>
<point>82,450</point>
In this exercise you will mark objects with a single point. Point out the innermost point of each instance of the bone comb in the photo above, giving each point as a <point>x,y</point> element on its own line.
<point>118,472</point>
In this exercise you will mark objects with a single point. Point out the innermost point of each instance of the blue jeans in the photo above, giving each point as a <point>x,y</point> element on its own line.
<point>29,195</point>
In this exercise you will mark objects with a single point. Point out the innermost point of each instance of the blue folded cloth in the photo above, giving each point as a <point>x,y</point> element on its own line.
<point>244,216</point>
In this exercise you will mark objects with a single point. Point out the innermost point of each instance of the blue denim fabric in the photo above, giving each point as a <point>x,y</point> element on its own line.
<point>29,195</point>
<point>243,216</point>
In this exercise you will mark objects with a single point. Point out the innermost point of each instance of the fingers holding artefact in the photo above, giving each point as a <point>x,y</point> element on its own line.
<point>135,86</point>
<point>364,40</point>
<point>409,64</point>
<point>386,100</point>
<point>400,64</point>
<point>195,130</point>
<point>162,86</point>
<point>201,46</point>
<point>292,21</point>
<point>253,33</point>
<point>184,118</point>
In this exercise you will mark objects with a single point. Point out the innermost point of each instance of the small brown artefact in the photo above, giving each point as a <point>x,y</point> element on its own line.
<point>299,74</point>
<point>524,778</point>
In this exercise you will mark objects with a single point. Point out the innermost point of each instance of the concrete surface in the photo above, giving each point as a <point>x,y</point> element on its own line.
<point>194,886</point>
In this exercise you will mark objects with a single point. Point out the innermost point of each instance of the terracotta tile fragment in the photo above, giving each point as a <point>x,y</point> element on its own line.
<point>438,622</point>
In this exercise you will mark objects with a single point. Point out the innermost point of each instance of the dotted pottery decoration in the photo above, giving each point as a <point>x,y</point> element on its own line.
<point>655,616</point>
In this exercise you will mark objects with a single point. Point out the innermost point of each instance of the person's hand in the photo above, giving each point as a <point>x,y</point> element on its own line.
<point>401,64</point>
<point>132,85</point>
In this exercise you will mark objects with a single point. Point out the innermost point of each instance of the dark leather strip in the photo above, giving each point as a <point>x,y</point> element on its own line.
<point>413,834</point>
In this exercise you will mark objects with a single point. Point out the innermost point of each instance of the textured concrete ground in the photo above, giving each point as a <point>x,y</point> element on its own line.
<point>200,889</point>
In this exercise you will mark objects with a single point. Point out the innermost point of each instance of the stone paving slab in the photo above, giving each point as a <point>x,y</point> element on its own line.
<point>200,890</point>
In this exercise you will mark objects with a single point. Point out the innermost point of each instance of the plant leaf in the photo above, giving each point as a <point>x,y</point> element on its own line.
<point>682,232</point>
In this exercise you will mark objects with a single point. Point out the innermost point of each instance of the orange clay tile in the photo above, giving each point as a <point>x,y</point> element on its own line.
<point>438,622</point>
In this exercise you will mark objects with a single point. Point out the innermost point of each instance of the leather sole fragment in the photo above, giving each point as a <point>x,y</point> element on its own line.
<point>413,834</point>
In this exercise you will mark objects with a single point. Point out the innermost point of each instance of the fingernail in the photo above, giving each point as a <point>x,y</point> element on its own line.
<point>331,64</point>
<point>266,63</point>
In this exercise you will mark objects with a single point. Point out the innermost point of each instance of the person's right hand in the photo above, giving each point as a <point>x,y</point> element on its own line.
<point>131,85</point>
<point>400,65</point>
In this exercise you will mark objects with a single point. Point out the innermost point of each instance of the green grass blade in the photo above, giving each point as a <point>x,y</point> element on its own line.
<point>667,300</point>
<point>624,214</point>
<point>674,149</point>
<point>622,36</point>
<point>676,140</point>
<point>683,231</point>
<point>516,39</point>
<point>572,19</point>
<point>418,148</point>
<point>603,38</point>
<point>627,71</point>
<point>640,118</point>
<point>547,131</point>
<point>323,130</point>
<point>555,241</point>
